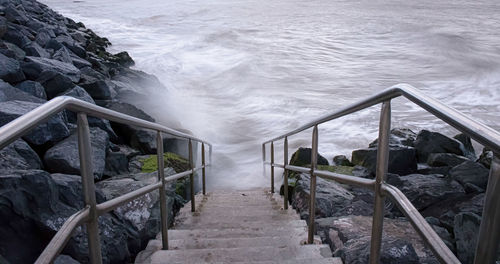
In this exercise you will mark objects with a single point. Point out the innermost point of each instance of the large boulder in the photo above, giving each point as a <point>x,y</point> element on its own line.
<point>33,88</point>
<point>466,230</point>
<point>428,142</point>
<point>341,160</point>
<point>18,35</point>
<point>349,238</point>
<point>64,157</point>
<point>54,82</point>
<point>445,159</point>
<point>3,26</point>
<point>402,159</point>
<point>467,149</point>
<point>99,89</point>
<point>470,172</point>
<point>398,137</point>
<point>10,93</point>
<point>117,159</point>
<point>302,157</point>
<point>33,49</point>
<point>34,66</point>
<point>331,199</point>
<point>16,14</point>
<point>19,156</point>
<point>10,70</point>
<point>51,131</point>
<point>486,157</point>
<point>425,190</point>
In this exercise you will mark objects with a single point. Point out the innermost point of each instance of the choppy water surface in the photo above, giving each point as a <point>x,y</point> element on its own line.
<point>241,71</point>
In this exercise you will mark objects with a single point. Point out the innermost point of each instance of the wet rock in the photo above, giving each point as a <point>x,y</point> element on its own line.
<point>331,199</point>
<point>425,190</point>
<point>10,70</point>
<point>44,36</point>
<point>443,170</point>
<point>349,238</point>
<point>467,149</point>
<point>402,159</point>
<point>428,142</point>
<point>53,130</point>
<point>33,49</point>
<point>12,51</point>
<point>72,45</point>
<point>302,157</point>
<point>62,54</point>
<point>15,15</point>
<point>446,210</point>
<point>144,140</point>
<point>398,137</point>
<point>445,159</point>
<point>117,160</point>
<point>64,157</point>
<point>65,259</point>
<point>124,59</point>
<point>466,231</point>
<point>19,156</point>
<point>99,89</point>
<point>470,172</point>
<point>17,35</point>
<point>486,157</point>
<point>9,93</point>
<point>341,160</point>
<point>3,26</point>
<point>33,88</point>
<point>55,83</point>
<point>360,171</point>
<point>35,66</point>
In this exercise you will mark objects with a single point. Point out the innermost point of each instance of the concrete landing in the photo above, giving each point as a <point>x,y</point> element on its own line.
<point>237,227</point>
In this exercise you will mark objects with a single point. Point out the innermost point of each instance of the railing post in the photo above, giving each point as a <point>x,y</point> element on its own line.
<point>489,230</point>
<point>191,176</point>
<point>203,169</point>
<point>272,167</point>
<point>86,169</point>
<point>312,191</point>
<point>285,171</point>
<point>381,171</point>
<point>163,198</point>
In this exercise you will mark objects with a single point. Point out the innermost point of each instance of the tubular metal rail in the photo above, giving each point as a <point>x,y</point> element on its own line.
<point>489,231</point>
<point>90,214</point>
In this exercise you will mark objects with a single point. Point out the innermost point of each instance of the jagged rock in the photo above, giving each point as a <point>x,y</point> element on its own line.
<point>398,137</point>
<point>331,199</point>
<point>433,142</point>
<point>62,54</point>
<point>19,156</point>
<point>16,14</point>
<point>64,157</point>
<point>53,130</point>
<point>470,172</point>
<point>35,66</point>
<point>443,170</point>
<point>33,49</point>
<point>12,51</point>
<point>117,160</point>
<point>425,190</point>
<point>360,171</point>
<point>341,160</point>
<point>486,157</point>
<point>43,36</point>
<point>65,259</point>
<point>72,45</point>
<point>33,88</point>
<point>467,149</point>
<point>445,159</point>
<point>3,26</point>
<point>9,93</point>
<point>402,159</point>
<point>349,238</point>
<point>124,59</point>
<point>302,157</point>
<point>100,89</point>
<point>144,140</point>
<point>10,70</point>
<point>55,83</point>
<point>447,210</point>
<point>466,231</point>
<point>17,35</point>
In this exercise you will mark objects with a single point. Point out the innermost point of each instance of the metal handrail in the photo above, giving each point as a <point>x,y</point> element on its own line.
<point>489,231</point>
<point>90,214</point>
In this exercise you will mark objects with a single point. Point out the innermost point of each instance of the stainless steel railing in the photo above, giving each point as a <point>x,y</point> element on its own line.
<point>489,231</point>
<point>90,214</point>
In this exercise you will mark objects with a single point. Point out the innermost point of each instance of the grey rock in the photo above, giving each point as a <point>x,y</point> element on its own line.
<point>99,89</point>
<point>13,51</point>
<point>349,238</point>
<point>19,156</point>
<point>486,157</point>
<point>471,188</point>
<point>470,172</point>
<point>10,70</point>
<point>16,14</point>
<point>33,88</point>
<point>447,210</point>
<point>33,49</point>
<point>467,147</point>
<point>302,157</point>
<point>71,44</point>
<point>398,137</point>
<point>360,171</point>
<point>117,160</point>
<point>144,140</point>
<point>35,66</point>
<point>9,93</point>
<point>425,190</point>
<point>3,26</point>
<point>445,159</point>
<point>65,259</point>
<point>64,157</point>
<point>443,170</point>
<point>341,160</point>
<point>466,232</point>
<point>62,54</point>
<point>54,83</point>
<point>53,130</point>
<point>402,159</point>
<point>17,35</point>
<point>433,142</point>
<point>43,37</point>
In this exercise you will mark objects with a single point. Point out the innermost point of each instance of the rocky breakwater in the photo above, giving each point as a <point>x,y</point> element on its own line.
<point>440,175</point>
<point>44,55</point>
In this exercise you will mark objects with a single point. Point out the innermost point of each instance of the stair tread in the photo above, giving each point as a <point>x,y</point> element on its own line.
<point>249,225</point>
<point>236,232</point>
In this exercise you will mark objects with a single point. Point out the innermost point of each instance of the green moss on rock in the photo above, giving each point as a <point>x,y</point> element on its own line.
<point>172,160</point>
<point>337,169</point>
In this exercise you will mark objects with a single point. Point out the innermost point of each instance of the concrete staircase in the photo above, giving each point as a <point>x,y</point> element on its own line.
<point>238,227</point>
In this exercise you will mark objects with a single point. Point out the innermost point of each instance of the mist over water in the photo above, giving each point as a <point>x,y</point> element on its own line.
<point>239,72</point>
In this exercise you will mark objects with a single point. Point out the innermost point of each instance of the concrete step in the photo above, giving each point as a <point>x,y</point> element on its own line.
<point>261,231</point>
<point>236,222</point>
<point>240,242</point>
<point>296,261</point>
<point>239,211</point>
<point>232,255</point>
